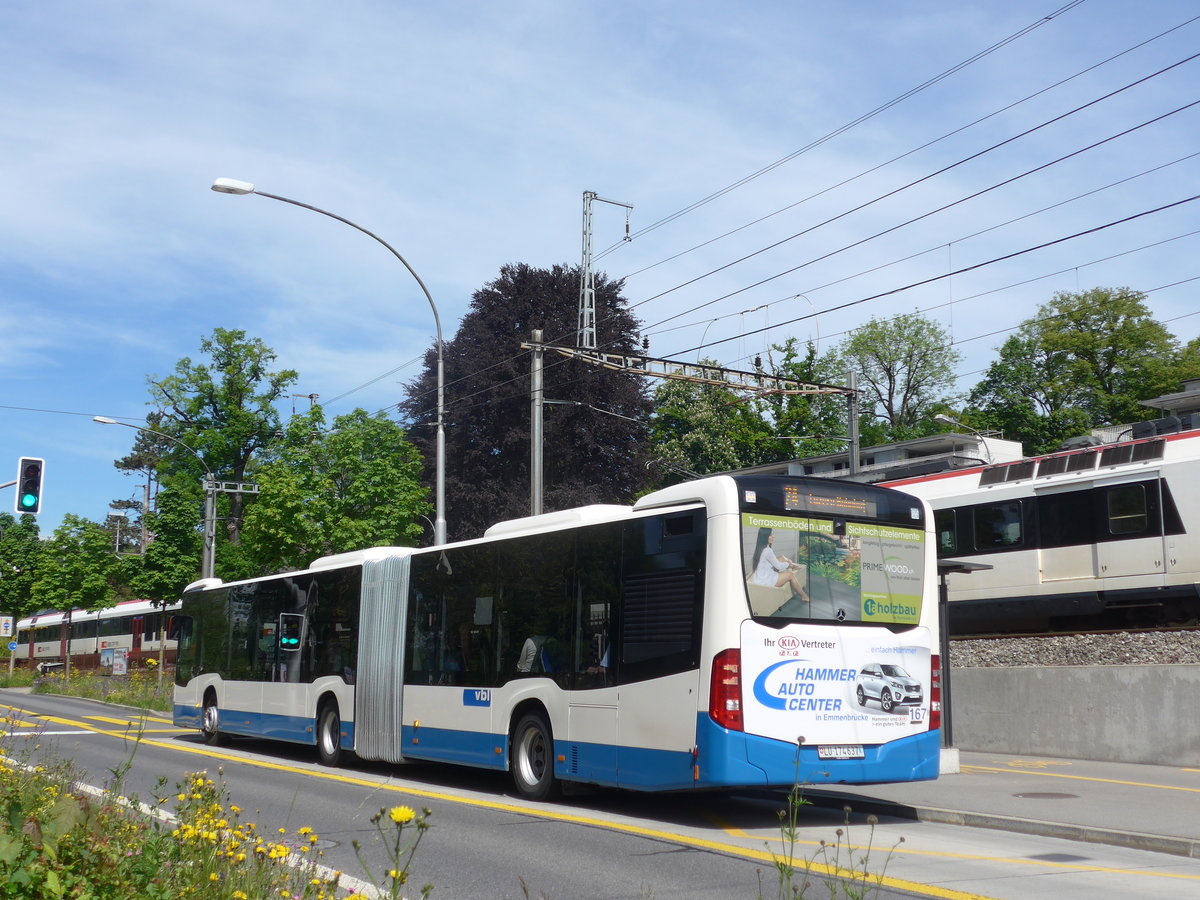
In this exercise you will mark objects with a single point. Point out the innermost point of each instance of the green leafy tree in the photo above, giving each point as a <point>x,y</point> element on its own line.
<point>593,449</point>
<point>173,557</point>
<point>808,424</point>
<point>78,567</point>
<point>357,485</point>
<point>1028,397</point>
<point>222,408</point>
<point>704,428</point>
<point>1083,361</point>
<point>905,367</point>
<point>1112,350</point>
<point>20,558</point>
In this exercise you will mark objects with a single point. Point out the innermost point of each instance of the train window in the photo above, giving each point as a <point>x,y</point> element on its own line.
<point>1127,509</point>
<point>1149,450</point>
<point>1052,465</point>
<point>944,524</point>
<point>1080,462</point>
<point>1113,456</point>
<point>998,525</point>
<point>1019,470</point>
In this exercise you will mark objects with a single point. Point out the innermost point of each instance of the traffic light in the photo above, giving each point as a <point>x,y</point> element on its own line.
<point>291,629</point>
<point>29,485</point>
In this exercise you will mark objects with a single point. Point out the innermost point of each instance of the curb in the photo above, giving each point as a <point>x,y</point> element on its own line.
<point>1090,834</point>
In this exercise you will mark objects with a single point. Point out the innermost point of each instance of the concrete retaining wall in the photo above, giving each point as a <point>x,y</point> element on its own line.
<point>1138,714</point>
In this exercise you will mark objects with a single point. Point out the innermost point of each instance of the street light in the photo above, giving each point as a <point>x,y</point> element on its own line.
<point>954,423</point>
<point>209,558</point>
<point>232,186</point>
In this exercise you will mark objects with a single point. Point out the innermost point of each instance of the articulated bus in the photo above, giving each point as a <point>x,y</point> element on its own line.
<point>652,647</point>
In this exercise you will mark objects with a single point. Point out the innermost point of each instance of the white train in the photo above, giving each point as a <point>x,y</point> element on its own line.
<point>1092,537</point>
<point>133,626</point>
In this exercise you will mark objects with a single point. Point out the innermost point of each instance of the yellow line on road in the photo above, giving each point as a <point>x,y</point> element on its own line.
<point>1009,771</point>
<point>764,855</point>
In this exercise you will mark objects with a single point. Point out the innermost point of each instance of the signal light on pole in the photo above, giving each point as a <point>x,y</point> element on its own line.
<point>29,485</point>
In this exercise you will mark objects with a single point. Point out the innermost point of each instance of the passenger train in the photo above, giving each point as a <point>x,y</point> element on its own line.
<point>44,640</point>
<point>1094,537</point>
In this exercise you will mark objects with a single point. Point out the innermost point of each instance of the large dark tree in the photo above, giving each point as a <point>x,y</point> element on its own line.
<point>592,452</point>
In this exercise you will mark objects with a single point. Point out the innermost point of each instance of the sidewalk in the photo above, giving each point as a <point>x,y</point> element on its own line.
<point>1144,807</point>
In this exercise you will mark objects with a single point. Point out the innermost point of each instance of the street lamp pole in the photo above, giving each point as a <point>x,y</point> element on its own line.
<point>209,558</point>
<point>232,186</point>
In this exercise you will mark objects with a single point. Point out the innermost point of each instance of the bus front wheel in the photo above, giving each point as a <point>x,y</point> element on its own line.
<point>533,758</point>
<point>329,735</point>
<point>210,722</point>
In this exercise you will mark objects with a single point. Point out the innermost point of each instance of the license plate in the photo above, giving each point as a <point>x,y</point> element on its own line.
<point>840,751</point>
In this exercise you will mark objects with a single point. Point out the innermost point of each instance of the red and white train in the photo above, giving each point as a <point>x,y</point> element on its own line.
<point>1090,537</point>
<point>44,640</point>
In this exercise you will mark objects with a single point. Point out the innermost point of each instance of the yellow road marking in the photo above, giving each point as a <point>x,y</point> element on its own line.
<point>1164,787</point>
<point>765,856</point>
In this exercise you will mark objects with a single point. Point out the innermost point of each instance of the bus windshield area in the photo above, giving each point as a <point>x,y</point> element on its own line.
<point>832,569</point>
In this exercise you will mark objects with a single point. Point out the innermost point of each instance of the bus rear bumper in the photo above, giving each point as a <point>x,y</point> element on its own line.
<point>735,759</point>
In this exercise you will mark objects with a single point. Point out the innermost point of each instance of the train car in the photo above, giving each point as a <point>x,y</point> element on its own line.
<point>44,640</point>
<point>1094,537</point>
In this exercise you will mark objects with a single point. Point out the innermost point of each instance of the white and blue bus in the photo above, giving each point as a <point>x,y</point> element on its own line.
<point>651,647</point>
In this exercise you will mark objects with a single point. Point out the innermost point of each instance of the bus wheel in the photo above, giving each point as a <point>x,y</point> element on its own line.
<point>210,722</point>
<point>533,758</point>
<point>329,735</point>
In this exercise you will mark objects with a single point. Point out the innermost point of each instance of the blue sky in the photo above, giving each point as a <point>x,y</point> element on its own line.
<point>465,134</point>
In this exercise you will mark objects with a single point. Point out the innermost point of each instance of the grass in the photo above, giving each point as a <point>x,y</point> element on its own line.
<point>143,687</point>
<point>60,840</point>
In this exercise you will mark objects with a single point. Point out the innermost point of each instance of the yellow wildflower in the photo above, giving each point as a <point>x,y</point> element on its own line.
<point>401,814</point>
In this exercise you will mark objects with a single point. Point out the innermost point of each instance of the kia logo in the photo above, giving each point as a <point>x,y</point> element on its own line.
<point>789,643</point>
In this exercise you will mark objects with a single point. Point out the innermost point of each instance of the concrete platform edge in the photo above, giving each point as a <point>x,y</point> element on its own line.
<point>1154,843</point>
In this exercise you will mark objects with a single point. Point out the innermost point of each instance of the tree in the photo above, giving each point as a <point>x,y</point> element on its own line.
<point>592,452</point>
<point>704,428</point>
<point>1083,361</point>
<point>1113,350</point>
<point>1026,395</point>
<point>811,423</point>
<point>20,558</point>
<point>172,559</point>
<point>321,492</point>
<point>222,409</point>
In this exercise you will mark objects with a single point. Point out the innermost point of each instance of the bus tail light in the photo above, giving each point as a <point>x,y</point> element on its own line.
<point>725,690</point>
<point>935,693</point>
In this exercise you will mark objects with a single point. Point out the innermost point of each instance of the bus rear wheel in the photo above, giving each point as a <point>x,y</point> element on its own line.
<point>329,735</point>
<point>533,758</point>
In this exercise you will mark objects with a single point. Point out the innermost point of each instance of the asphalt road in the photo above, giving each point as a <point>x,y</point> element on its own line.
<point>487,843</point>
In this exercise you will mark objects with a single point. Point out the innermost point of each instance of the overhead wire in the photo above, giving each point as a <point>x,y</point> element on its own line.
<point>914,150</point>
<point>957,240</point>
<point>849,125</point>
<point>927,177</point>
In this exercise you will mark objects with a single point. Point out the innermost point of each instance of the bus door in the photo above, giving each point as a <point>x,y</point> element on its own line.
<point>285,694</point>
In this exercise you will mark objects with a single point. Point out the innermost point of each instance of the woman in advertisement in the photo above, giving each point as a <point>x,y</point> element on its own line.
<point>772,570</point>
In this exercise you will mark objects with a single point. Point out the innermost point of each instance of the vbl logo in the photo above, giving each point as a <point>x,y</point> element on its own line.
<point>787,642</point>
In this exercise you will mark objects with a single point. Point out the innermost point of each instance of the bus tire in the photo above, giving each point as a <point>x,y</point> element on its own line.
<point>533,758</point>
<point>329,735</point>
<point>210,722</point>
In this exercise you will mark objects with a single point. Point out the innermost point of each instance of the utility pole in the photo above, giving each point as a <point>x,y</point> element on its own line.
<point>852,397</point>
<point>535,418</point>
<point>585,337</point>
<point>733,379</point>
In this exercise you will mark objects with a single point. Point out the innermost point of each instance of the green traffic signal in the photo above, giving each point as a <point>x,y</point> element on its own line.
<point>29,485</point>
